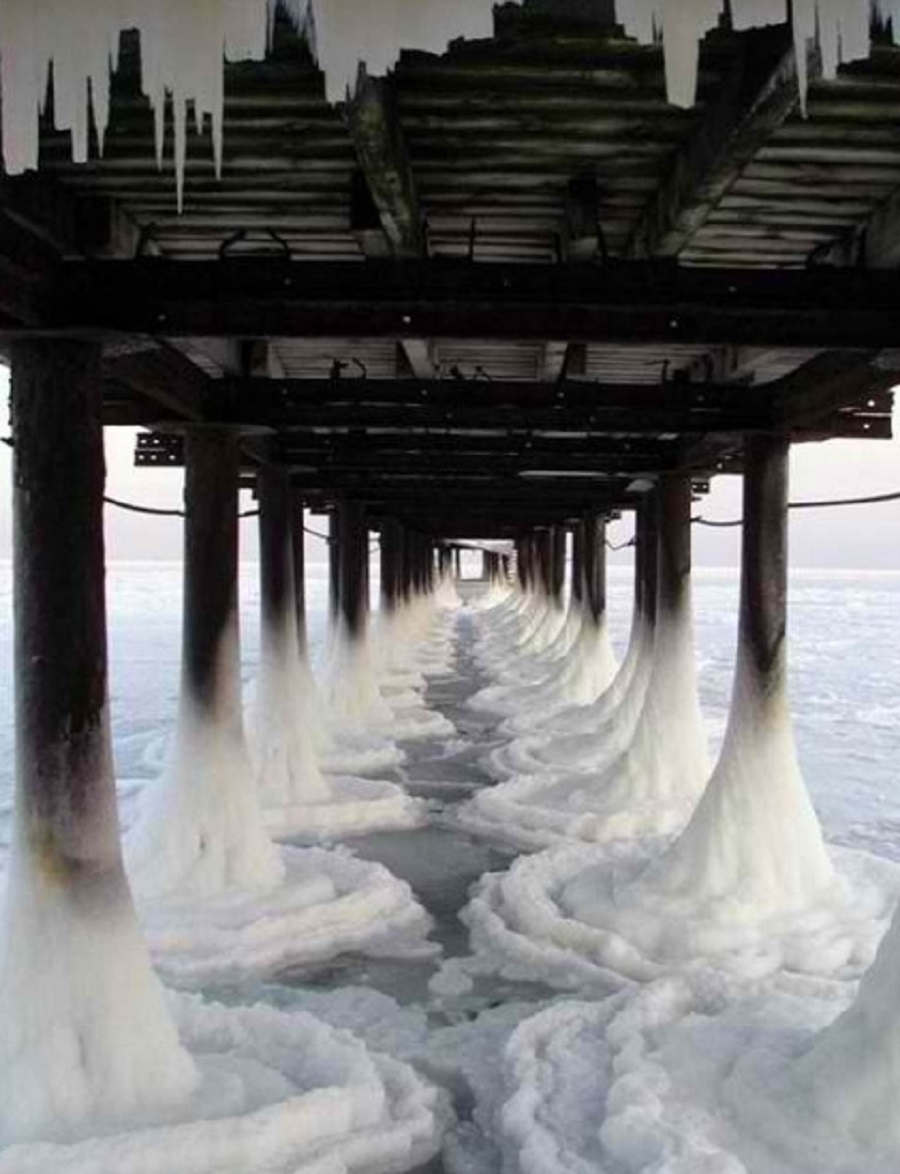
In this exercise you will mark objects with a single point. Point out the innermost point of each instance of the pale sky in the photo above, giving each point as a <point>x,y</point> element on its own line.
<point>861,537</point>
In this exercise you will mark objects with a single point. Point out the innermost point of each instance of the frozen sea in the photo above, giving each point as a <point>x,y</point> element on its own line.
<point>845,675</point>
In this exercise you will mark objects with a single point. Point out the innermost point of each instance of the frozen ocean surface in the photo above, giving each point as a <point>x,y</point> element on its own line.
<point>486,1042</point>
<point>845,674</point>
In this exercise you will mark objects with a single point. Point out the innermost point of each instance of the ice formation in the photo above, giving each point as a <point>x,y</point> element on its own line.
<point>375,677</point>
<point>840,29</point>
<point>299,800</point>
<point>184,44</point>
<point>330,904</point>
<point>748,885</point>
<point>275,1091</point>
<point>573,669</point>
<point>841,1094</point>
<point>699,1073</point>
<point>642,768</point>
<point>200,831</point>
<point>87,1040</point>
<point>575,917</point>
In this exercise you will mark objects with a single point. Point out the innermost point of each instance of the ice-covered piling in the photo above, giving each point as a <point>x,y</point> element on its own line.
<point>351,689</point>
<point>755,839</point>
<point>201,831</point>
<point>85,1036</point>
<point>284,743</point>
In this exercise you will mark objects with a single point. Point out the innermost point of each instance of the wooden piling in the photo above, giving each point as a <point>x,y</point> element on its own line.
<point>353,558</point>
<point>764,562</point>
<point>65,784</point>
<point>391,570</point>
<point>647,557</point>
<point>278,597</point>
<point>558,563</point>
<point>674,544</point>
<point>211,679</point>
<point>593,528</point>
<point>298,550</point>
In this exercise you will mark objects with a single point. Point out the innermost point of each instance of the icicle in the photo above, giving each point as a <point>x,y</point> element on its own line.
<point>753,14</point>
<point>839,27</point>
<point>184,44</point>
<point>685,24</point>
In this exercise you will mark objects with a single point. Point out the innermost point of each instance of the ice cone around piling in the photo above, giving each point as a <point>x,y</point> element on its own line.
<point>749,886</point>
<point>86,1040</point>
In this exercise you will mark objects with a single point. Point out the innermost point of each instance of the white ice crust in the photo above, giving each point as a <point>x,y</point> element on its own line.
<point>289,747</point>
<point>638,768</point>
<point>279,1092</point>
<point>575,918</point>
<point>86,1037</point>
<point>698,1074</point>
<point>329,904</point>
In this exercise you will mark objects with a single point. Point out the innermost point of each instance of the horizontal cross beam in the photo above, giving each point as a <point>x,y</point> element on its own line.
<point>620,302</point>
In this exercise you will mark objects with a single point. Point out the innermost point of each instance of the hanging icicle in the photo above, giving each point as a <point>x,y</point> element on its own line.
<point>185,43</point>
<point>840,28</point>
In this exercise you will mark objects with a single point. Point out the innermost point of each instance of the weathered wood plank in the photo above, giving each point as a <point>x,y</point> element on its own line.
<point>758,96</point>
<point>374,123</point>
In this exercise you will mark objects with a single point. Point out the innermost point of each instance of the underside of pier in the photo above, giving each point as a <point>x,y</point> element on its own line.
<point>495,290</point>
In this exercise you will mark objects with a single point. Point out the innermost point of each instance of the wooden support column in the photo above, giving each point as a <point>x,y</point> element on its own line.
<point>298,542</point>
<point>647,558</point>
<point>674,545</point>
<point>578,567</point>
<point>764,564</point>
<point>418,563</point>
<point>522,563</point>
<point>429,565</point>
<point>594,529</point>
<point>278,596</point>
<point>65,784</point>
<point>334,566</point>
<point>557,563</point>
<point>211,678</point>
<point>67,919</point>
<point>544,558</point>
<point>391,570</point>
<point>353,557</point>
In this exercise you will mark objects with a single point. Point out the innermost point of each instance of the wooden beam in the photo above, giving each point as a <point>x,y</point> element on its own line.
<point>624,302</point>
<point>333,461</point>
<point>832,381</point>
<point>562,360</point>
<point>352,563</point>
<point>583,236</point>
<point>69,224</point>
<point>874,245</point>
<point>760,93</point>
<point>374,123</point>
<point>167,382</point>
<point>210,668</point>
<point>419,355</point>
<point>42,222</point>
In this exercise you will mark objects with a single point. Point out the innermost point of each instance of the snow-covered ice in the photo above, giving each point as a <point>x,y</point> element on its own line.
<point>329,904</point>
<point>277,1092</point>
<point>696,1067</point>
<point>575,917</point>
<point>699,1075</point>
